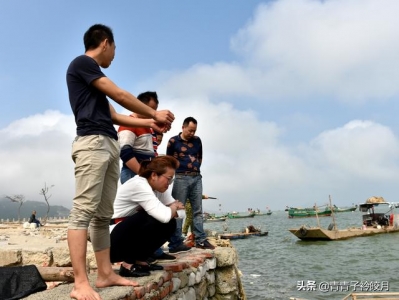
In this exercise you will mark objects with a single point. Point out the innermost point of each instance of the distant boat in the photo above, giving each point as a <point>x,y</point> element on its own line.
<point>215,219</point>
<point>347,209</point>
<point>308,212</point>
<point>236,215</point>
<point>259,213</point>
<point>241,235</point>
<point>207,217</point>
<point>249,231</point>
<point>373,222</point>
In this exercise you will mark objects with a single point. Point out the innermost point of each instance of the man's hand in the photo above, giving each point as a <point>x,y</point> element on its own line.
<point>160,127</point>
<point>164,116</point>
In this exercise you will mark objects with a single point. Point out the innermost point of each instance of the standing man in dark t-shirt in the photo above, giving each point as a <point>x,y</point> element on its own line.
<point>95,152</point>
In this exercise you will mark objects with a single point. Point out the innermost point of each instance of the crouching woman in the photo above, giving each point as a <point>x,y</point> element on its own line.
<point>144,214</point>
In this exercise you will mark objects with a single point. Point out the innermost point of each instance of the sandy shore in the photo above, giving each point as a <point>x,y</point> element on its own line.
<point>14,236</point>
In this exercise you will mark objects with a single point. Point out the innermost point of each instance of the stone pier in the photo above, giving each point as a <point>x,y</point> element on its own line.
<point>197,274</point>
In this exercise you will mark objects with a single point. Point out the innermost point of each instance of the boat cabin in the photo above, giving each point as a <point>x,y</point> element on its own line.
<point>377,213</point>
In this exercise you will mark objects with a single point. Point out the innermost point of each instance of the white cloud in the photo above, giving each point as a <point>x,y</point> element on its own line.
<point>361,149</point>
<point>295,49</point>
<point>36,150</point>
<point>292,50</point>
<point>245,163</point>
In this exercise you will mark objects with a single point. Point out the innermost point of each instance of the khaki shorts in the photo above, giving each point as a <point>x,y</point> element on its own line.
<point>96,160</point>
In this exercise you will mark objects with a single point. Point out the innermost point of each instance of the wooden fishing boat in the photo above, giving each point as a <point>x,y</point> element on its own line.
<point>215,219</point>
<point>378,218</point>
<point>241,235</point>
<point>268,213</point>
<point>308,212</point>
<point>207,217</point>
<point>344,209</point>
<point>235,215</point>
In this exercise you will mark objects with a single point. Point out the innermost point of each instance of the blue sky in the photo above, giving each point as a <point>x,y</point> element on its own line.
<point>44,36</point>
<point>296,99</point>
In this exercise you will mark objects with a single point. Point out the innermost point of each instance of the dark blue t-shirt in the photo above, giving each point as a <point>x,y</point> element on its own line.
<point>89,105</point>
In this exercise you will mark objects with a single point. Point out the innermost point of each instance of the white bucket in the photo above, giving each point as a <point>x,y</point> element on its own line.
<point>364,227</point>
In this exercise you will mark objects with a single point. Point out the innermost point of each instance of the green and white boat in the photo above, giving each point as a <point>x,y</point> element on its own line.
<point>236,215</point>
<point>308,212</point>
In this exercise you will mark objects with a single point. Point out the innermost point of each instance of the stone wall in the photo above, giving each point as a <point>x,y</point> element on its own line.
<point>197,274</point>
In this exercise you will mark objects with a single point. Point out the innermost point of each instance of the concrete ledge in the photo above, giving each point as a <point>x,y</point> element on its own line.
<point>193,276</point>
<point>197,274</point>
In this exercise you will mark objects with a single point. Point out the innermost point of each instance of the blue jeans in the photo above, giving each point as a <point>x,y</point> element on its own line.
<point>126,174</point>
<point>188,187</point>
<point>37,222</point>
<point>158,253</point>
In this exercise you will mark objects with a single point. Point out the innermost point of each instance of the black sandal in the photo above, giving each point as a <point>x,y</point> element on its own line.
<point>149,267</point>
<point>135,271</point>
<point>155,267</point>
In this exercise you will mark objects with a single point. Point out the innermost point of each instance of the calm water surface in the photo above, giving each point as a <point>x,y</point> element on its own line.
<point>275,265</point>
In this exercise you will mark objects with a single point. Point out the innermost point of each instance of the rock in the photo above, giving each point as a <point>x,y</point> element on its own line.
<point>26,225</point>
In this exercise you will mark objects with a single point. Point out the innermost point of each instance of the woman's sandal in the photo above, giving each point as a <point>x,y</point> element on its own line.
<point>134,271</point>
<point>150,267</point>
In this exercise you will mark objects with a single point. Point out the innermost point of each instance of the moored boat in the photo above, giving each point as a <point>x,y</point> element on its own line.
<point>215,219</point>
<point>308,212</point>
<point>344,209</point>
<point>236,215</point>
<point>378,218</point>
<point>241,235</point>
<point>249,231</point>
<point>211,217</point>
<point>267,213</point>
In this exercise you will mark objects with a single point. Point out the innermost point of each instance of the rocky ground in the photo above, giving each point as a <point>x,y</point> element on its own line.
<point>14,236</point>
<point>47,247</point>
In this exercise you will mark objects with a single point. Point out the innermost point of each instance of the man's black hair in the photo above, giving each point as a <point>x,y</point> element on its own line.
<point>188,120</point>
<point>147,96</point>
<point>96,34</point>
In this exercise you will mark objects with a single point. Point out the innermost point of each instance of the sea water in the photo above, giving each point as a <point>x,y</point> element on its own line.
<point>280,266</point>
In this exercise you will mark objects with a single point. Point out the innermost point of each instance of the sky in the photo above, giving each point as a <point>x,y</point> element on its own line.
<point>296,100</point>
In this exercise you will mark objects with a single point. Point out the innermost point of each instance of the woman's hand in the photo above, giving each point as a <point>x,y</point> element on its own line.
<point>175,206</point>
<point>179,205</point>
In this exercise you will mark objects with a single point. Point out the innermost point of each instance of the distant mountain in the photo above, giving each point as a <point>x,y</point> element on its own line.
<point>9,209</point>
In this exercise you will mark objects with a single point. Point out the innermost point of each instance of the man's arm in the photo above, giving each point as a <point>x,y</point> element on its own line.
<point>130,102</point>
<point>200,152</point>
<point>169,148</point>
<point>127,121</point>
<point>133,165</point>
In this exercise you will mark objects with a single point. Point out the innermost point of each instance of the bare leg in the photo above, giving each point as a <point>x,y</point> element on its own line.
<point>77,243</point>
<point>106,275</point>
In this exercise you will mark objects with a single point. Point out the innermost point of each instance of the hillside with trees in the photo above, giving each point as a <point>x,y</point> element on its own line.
<point>9,209</point>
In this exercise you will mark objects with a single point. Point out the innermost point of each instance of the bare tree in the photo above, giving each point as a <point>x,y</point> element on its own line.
<point>18,199</point>
<point>44,192</point>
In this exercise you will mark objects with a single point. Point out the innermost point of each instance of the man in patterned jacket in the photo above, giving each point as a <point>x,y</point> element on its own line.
<point>186,147</point>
